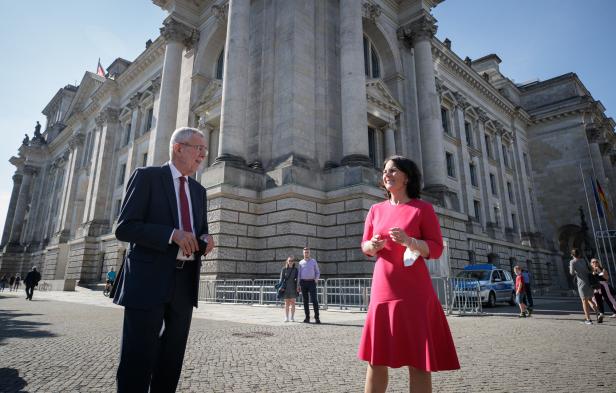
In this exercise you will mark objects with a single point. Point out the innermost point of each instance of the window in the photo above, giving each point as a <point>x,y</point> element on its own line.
<point>473,170</point>
<point>488,141</point>
<point>510,191</point>
<point>526,164</point>
<point>220,65</point>
<point>372,145</point>
<point>505,156</point>
<point>144,161</point>
<point>468,131</point>
<point>127,134</point>
<point>477,208</point>
<point>496,220</point>
<point>445,120</point>
<point>493,184</point>
<point>148,120</point>
<point>372,66</point>
<point>514,222</point>
<point>451,167</point>
<point>121,175</point>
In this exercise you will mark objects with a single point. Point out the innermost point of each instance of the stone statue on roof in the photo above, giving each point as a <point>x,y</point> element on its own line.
<point>26,140</point>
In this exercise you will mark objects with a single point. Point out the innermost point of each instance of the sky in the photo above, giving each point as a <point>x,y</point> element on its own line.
<point>49,44</point>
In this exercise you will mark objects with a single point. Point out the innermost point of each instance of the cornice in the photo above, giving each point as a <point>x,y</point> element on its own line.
<point>153,53</point>
<point>458,67</point>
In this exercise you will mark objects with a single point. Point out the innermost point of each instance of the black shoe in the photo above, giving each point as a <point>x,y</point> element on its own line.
<point>307,320</point>
<point>317,321</point>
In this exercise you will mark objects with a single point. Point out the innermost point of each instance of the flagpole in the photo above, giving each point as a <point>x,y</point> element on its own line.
<point>592,225</point>
<point>594,175</point>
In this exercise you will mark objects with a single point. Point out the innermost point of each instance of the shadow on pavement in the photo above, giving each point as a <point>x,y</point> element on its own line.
<point>11,326</point>
<point>11,382</point>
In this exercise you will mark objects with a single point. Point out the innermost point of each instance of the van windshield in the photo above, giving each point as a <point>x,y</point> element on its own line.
<point>479,275</point>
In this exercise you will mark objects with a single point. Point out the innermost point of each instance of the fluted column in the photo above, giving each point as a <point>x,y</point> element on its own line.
<point>390,141</point>
<point>353,85</point>
<point>484,168</point>
<point>418,34</point>
<point>177,35</point>
<point>22,202</point>
<point>231,146</point>
<point>97,202</point>
<point>10,214</point>
<point>70,186</point>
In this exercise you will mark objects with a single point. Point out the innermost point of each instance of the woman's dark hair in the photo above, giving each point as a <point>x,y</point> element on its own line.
<point>413,187</point>
<point>576,253</point>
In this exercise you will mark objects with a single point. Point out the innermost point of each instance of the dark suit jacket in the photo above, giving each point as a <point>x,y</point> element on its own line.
<point>148,216</point>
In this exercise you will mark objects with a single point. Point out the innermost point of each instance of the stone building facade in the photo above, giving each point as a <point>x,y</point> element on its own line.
<point>301,101</point>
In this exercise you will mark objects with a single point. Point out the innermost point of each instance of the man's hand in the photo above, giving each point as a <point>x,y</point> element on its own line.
<point>210,243</point>
<point>186,241</point>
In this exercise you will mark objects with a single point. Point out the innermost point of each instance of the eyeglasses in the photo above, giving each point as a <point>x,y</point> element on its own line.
<point>200,148</point>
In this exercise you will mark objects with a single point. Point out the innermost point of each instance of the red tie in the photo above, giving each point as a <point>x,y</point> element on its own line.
<point>184,209</point>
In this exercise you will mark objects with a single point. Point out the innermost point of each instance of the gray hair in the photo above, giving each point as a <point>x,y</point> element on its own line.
<point>182,135</point>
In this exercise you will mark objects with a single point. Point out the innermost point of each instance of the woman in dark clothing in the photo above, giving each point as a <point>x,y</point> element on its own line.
<point>602,294</point>
<point>288,276</point>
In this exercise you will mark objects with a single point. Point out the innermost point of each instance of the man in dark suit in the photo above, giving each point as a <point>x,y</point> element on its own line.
<point>164,218</point>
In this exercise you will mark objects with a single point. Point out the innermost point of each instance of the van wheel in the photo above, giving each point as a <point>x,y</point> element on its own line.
<point>491,299</point>
<point>512,299</point>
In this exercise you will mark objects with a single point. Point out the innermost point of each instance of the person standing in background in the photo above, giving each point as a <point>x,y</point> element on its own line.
<point>308,277</point>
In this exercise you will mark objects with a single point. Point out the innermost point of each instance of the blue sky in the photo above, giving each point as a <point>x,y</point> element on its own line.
<point>48,44</point>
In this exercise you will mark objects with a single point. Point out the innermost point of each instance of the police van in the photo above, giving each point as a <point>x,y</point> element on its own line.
<point>495,285</point>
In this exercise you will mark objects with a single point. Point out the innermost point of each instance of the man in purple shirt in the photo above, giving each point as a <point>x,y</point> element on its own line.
<point>308,276</point>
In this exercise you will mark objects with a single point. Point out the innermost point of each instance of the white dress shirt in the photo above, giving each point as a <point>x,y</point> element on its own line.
<point>176,186</point>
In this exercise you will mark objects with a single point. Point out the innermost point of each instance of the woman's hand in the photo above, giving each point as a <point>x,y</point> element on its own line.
<point>400,237</point>
<point>374,245</point>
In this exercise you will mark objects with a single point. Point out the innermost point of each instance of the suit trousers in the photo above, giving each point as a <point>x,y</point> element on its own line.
<point>309,289</point>
<point>154,340</point>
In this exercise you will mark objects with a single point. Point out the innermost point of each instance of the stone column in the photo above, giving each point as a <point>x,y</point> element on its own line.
<point>97,202</point>
<point>503,192</point>
<point>484,170</point>
<point>353,86</point>
<point>177,35</point>
<point>22,203</point>
<point>419,35</point>
<point>10,214</point>
<point>207,129</point>
<point>390,140</point>
<point>231,146</point>
<point>464,157</point>
<point>70,188</point>
<point>132,160</point>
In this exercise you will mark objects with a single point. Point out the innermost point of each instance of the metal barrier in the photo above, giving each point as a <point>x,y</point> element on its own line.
<point>459,296</point>
<point>465,296</point>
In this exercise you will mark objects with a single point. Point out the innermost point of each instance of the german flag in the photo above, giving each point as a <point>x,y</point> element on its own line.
<point>603,199</point>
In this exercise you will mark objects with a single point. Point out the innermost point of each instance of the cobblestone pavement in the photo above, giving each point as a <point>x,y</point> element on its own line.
<point>69,342</point>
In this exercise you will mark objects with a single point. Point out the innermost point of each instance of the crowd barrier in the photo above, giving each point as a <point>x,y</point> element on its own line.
<point>458,296</point>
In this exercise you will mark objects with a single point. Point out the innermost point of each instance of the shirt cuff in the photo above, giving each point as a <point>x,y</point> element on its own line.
<point>171,237</point>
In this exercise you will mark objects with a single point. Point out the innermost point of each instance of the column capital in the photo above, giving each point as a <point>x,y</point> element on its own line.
<point>462,101</point>
<point>221,12</point>
<point>371,11</point>
<point>134,101</point>
<point>422,28</point>
<point>107,115</point>
<point>594,134</point>
<point>30,170</point>
<point>203,125</point>
<point>155,84</point>
<point>440,86</point>
<point>176,31</point>
<point>483,116</point>
<point>76,141</point>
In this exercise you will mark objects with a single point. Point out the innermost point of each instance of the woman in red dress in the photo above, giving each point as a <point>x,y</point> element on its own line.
<point>405,324</point>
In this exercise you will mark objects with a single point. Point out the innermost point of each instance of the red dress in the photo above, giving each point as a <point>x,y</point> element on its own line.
<point>405,324</point>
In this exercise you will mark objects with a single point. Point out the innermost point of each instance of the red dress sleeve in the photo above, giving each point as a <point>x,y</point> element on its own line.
<point>368,226</point>
<point>431,232</point>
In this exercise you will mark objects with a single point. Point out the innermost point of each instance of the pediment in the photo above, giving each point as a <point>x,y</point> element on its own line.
<point>88,85</point>
<point>378,94</point>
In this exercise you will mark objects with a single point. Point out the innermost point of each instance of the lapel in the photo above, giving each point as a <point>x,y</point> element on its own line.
<point>167,179</point>
<point>197,205</point>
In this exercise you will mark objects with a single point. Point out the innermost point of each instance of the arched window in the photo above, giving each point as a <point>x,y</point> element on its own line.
<point>372,63</point>
<point>220,65</point>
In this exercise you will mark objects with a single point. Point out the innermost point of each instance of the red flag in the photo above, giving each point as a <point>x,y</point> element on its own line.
<point>603,199</point>
<point>99,69</point>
